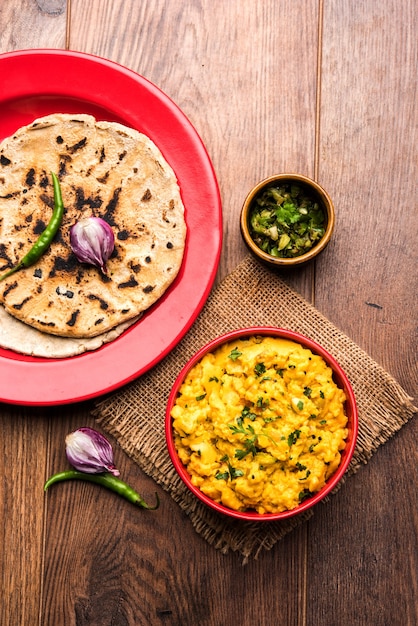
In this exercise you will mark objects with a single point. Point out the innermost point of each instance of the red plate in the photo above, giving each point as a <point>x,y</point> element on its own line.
<point>38,82</point>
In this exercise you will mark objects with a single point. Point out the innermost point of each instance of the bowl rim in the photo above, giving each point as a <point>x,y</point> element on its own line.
<point>316,249</point>
<point>340,378</point>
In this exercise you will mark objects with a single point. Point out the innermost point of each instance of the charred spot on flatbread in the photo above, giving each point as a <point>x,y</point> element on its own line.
<point>18,306</point>
<point>77,146</point>
<point>43,183</point>
<point>135,267</point>
<point>103,179</point>
<point>82,201</point>
<point>67,293</point>
<point>10,287</point>
<point>103,304</point>
<point>132,282</point>
<point>111,207</point>
<point>62,265</point>
<point>39,227</point>
<point>46,324</point>
<point>73,318</point>
<point>30,177</point>
<point>64,160</point>
<point>4,257</point>
<point>12,194</point>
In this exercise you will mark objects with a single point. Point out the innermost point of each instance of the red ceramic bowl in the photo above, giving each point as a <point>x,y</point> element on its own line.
<point>340,379</point>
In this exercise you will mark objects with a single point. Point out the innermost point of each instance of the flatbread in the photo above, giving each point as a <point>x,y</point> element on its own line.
<point>106,170</point>
<point>22,338</point>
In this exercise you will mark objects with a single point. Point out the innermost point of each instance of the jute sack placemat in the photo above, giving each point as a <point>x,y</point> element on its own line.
<point>251,295</point>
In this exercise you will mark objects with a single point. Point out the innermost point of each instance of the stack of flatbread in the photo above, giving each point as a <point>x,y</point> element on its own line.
<point>60,307</point>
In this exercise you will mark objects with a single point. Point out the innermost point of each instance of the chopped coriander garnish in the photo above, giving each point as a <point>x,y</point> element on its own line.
<point>231,473</point>
<point>249,448</point>
<point>240,428</point>
<point>249,443</point>
<point>259,369</point>
<point>304,495</point>
<point>234,354</point>
<point>262,403</point>
<point>198,398</point>
<point>293,437</point>
<point>308,472</point>
<point>246,412</point>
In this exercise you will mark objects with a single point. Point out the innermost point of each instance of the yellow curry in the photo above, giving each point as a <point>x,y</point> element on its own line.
<point>259,424</point>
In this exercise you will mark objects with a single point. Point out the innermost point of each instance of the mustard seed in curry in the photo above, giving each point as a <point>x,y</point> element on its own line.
<point>259,424</point>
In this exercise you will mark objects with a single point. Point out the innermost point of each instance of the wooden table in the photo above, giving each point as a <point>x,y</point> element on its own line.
<point>326,88</point>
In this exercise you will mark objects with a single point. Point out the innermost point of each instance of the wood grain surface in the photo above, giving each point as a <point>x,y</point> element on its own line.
<point>326,88</point>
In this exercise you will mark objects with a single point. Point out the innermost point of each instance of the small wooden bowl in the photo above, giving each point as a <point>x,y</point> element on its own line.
<point>316,192</point>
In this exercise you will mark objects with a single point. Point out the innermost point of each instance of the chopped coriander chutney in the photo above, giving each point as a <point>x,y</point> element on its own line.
<point>285,221</point>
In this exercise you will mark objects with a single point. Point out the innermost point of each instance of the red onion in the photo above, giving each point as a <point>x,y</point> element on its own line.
<point>92,241</point>
<point>89,451</point>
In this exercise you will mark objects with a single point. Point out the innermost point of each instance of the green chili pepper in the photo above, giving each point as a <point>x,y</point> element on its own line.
<point>106,480</point>
<point>45,238</point>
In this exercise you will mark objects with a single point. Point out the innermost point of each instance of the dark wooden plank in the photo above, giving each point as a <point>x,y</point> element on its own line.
<point>24,439</point>
<point>363,546</point>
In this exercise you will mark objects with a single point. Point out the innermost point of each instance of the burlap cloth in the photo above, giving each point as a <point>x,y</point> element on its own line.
<point>251,295</point>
